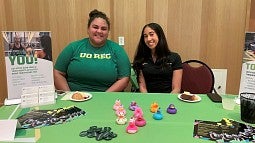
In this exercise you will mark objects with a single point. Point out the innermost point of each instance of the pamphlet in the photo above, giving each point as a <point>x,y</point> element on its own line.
<point>40,118</point>
<point>226,130</point>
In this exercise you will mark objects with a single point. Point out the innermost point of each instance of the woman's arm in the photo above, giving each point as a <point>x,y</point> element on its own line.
<point>142,84</point>
<point>119,85</point>
<point>60,80</point>
<point>176,81</point>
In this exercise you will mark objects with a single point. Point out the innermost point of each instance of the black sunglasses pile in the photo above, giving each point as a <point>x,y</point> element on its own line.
<point>100,133</point>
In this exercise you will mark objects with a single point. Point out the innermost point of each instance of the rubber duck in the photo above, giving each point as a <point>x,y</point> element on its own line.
<point>133,106</point>
<point>138,112</point>
<point>120,109</point>
<point>140,121</point>
<point>131,128</point>
<point>171,109</point>
<point>154,107</point>
<point>121,120</point>
<point>116,104</point>
<point>158,115</point>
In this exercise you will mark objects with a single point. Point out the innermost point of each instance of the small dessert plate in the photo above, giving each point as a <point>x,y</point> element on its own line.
<point>198,98</point>
<point>60,92</point>
<point>86,96</point>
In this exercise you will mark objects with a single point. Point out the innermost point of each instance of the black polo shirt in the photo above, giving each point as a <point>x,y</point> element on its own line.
<point>158,79</point>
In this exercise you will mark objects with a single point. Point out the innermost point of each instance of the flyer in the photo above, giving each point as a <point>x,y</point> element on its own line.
<point>29,66</point>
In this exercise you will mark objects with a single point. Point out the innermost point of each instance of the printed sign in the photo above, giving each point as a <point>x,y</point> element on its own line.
<point>247,82</point>
<point>29,66</point>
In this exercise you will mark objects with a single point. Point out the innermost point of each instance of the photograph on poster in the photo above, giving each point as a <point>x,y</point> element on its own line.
<point>28,43</point>
<point>249,48</point>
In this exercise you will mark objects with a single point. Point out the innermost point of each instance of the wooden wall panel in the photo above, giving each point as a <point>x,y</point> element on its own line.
<point>209,30</point>
<point>129,19</point>
<point>160,13</point>
<point>248,13</point>
<point>184,27</point>
<point>3,87</point>
<point>223,39</point>
<point>252,16</point>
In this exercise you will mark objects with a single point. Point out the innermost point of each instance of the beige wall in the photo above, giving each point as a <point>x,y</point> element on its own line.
<point>208,30</point>
<point>251,23</point>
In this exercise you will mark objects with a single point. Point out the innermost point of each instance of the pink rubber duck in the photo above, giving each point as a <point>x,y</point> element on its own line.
<point>120,109</point>
<point>131,128</point>
<point>121,120</point>
<point>116,104</point>
<point>138,112</point>
<point>140,121</point>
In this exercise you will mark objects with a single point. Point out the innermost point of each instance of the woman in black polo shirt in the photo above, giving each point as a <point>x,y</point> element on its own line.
<point>158,69</point>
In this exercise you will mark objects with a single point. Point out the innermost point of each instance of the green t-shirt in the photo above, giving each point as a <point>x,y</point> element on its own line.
<point>93,69</point>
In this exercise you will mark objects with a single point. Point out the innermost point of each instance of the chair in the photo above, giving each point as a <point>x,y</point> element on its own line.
<point>197,77</point>
<point>134,86</point>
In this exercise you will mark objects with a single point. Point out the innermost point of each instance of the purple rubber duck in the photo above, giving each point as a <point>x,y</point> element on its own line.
<point>133,105</point>
<point>171,109</point>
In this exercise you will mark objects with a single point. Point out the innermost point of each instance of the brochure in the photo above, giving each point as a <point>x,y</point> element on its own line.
<point>40,118</point>
<point>226,130</point>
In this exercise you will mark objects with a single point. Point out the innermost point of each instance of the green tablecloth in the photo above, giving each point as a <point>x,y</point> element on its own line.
<point>172,128</point>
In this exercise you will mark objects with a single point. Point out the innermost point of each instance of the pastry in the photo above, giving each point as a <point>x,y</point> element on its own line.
<point>78,96</point>
<point>188,96</point>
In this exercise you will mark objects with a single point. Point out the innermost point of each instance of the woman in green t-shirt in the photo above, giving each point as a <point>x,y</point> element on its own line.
<point>94,63</point>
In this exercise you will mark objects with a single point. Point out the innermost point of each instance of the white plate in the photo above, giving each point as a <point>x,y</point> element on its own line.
<point>60,92</point>
<point>84,94</point>
<point>198,98</point>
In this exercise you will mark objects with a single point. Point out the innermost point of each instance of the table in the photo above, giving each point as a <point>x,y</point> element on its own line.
<point>172,128</point>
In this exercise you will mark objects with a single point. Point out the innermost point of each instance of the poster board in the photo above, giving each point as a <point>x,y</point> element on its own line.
<point>247,82</point>
<point>29,67</point>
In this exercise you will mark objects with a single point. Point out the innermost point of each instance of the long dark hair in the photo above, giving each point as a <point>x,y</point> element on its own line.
<point>143,52</point>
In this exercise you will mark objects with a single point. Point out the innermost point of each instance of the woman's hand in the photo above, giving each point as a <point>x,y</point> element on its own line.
<point>119,85</point>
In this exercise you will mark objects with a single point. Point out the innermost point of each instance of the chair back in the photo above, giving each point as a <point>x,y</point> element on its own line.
<point>133,79</point>
<point>197,77</point>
